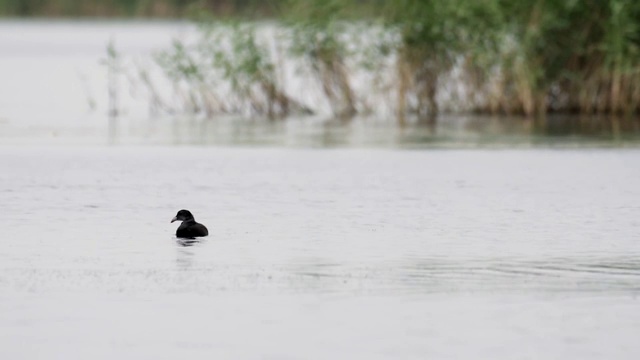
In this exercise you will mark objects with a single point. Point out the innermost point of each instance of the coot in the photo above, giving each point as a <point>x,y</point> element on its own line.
<point>189,228</point>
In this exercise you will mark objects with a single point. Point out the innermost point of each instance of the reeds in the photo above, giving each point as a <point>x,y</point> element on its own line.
<point>529,57</point>
<point>567,57</point>
<point>318,38</point>
<point>114,67</point>
<point>227,70</point>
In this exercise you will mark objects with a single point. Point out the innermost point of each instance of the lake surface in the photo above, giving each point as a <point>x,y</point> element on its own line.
<point>513,254</point>
<point>480,238</point>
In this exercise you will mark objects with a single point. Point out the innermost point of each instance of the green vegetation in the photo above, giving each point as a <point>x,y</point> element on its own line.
<point>227,59</point>
<point>316,38</point>
<point>135,8</point>
<point>528,57</point>
<point>531,57</point>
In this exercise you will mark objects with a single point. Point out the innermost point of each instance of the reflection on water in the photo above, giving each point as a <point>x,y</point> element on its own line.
<point>449,131</point>
<point>188,242</point>
<point>185,256</point>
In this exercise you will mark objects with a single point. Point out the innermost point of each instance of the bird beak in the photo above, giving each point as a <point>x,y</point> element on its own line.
<point>174,219</point>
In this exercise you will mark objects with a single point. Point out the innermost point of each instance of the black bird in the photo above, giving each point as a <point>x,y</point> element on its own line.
<point>189,228</point>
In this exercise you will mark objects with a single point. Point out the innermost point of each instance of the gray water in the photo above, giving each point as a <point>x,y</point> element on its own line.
<point>319,253</point>
<point>476,239</point>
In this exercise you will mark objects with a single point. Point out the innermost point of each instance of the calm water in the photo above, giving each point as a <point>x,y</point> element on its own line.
<point>320,253</point>
<point>479,239</point>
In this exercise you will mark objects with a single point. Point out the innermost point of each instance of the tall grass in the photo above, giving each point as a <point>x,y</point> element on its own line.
<point>570,57</point>
<point>318,38</point>
<point>113,63</point>
<point>528,57</point>
<point>228,69</point>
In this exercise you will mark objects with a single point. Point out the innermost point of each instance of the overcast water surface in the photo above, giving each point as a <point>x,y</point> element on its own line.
<point>343,241</point>
<point>319,253</point>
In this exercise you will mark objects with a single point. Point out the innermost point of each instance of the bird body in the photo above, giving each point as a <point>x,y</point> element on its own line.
<point>189,228</point>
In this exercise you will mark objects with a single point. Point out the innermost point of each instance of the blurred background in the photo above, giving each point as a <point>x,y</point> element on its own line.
<point>317,73</point>
<point>404,179</point>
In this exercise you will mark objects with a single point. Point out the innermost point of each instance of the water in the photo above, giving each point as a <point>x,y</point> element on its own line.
<point>318,253</point>
<point>475,239</point>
